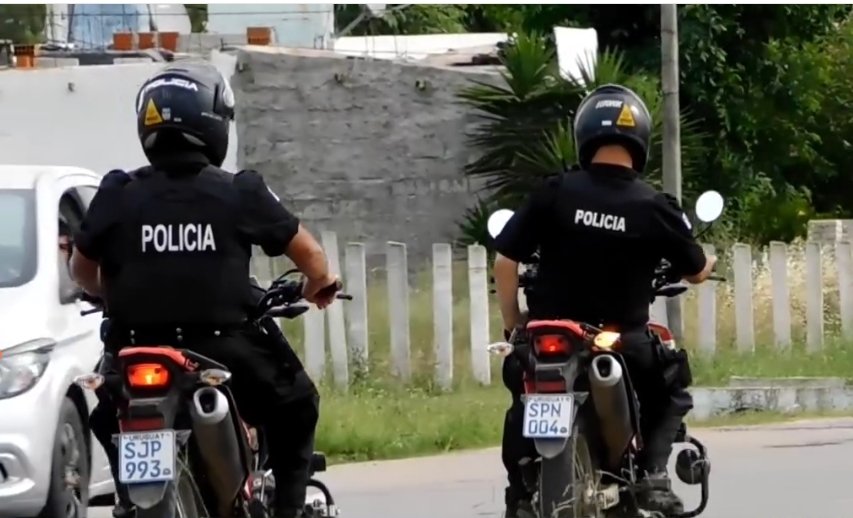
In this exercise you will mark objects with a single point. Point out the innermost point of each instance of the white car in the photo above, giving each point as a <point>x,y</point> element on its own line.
<point>50,464</point>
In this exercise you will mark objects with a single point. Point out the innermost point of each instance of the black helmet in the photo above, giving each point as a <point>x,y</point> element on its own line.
<point>185,104</point>
<point>613,114</point>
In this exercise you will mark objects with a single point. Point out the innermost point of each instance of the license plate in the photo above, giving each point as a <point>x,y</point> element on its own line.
<point>548,416</point>
<point>147,457</point>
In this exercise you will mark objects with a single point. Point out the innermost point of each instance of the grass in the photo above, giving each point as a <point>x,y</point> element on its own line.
<point>381,418</point>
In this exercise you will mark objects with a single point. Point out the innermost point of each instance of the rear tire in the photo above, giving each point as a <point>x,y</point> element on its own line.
<point>183,500</point>
<point>568,483</point>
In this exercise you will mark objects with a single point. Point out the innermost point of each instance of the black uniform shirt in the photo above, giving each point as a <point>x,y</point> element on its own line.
<point>600,233</point>
<point>174,243</point>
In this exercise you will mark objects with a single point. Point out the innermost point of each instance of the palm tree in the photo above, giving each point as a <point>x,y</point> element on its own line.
<point>524,131</point>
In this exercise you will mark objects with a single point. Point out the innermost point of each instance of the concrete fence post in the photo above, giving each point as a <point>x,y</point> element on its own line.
<point>707,311</point>
<point>315,343</point>
<point>781,294</point>
<point>478,287</point>
<point>844,263</point>
<point>335,316</point>
<point>398,309</point>
<point>442,312</point>
<point>743,305</point>
<point>814,297</point>
<point>356,309</point>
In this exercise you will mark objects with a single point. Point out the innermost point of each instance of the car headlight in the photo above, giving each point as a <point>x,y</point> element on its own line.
<point>23,365</point>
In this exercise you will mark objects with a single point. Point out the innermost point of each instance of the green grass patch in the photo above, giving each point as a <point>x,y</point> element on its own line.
<point>835,360</point>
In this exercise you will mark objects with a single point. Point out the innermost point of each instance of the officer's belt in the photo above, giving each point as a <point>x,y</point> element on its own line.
<point>163,334</point>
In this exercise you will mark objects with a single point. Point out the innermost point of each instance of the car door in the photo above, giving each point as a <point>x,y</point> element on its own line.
<point>81,334</point>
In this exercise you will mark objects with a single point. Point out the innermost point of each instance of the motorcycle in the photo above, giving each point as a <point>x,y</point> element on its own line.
<point>580,408</point>
<point>184,451</point>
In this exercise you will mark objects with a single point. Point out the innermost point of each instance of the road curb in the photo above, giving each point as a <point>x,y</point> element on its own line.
<point>782,395</point>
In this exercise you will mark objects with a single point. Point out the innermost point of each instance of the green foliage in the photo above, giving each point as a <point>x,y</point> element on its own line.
<point>473,225</point>
<point>198,16</point>
<point>22,23</point>
<point>524,132</point>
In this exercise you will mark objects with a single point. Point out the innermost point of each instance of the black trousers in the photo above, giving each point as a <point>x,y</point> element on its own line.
<point>271,394</point>
<point>663,405</point>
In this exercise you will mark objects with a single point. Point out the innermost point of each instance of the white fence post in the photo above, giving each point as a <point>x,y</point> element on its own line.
<point>335,316</point>
<point>478,287</point>
<point>356,309</point>
<point>442,313</point>
<point>315,343</point>
<point>743,305</point>
<point>780,293</point>
<point>707,312</point>
<point>398,309</point>
<point>814,297</point>
<point>844,263</point>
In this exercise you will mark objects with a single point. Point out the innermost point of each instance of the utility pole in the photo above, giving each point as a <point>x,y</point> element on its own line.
<point>671,134</point>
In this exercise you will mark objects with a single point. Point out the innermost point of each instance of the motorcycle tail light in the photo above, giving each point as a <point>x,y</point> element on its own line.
<point>552,344</point>
<point>148,375</point>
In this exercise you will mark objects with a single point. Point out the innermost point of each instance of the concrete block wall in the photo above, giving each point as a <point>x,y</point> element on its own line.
<point>828,231</point>
<point>373,150</point>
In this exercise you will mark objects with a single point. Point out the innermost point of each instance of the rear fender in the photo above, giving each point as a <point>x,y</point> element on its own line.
<point>568,372</point>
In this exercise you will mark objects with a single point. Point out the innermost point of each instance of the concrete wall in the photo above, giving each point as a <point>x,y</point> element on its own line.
<point>354,146</point>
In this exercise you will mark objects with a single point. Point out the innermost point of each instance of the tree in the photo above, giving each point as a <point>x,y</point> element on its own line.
<point>524,132</point>
<point>22,23</point>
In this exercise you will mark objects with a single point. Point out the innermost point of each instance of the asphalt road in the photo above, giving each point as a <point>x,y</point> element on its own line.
<point>794,470</point>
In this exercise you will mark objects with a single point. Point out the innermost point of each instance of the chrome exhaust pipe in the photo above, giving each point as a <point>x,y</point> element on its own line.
<point>610,398</point>
<point>219,445</point>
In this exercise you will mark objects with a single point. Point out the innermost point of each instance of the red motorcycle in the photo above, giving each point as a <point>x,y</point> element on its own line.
<point>581,410</point>
<point>184,451</point>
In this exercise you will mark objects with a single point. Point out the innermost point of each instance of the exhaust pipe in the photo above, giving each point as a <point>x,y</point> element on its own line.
<point>219,447</point>
<point>610,399</point>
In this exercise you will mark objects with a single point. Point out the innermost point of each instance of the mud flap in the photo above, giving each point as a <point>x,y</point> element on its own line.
<point>551,448</point>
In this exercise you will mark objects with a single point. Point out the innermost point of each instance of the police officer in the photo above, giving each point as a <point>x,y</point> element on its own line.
<point>167,247</point>
<point>601,231</point>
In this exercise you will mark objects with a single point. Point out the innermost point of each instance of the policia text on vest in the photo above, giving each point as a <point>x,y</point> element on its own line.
<point>597,220</point>
<point>183,237</point>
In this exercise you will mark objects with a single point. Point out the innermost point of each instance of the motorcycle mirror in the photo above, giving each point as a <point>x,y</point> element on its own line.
<point>502,349</point>
<point>709,206</point>
<point>497,221</point>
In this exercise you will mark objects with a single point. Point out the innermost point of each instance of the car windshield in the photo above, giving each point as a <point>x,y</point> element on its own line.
<point>17,237</point>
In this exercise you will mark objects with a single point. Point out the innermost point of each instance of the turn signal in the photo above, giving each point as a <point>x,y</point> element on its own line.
<point>551,344</point>
<point>147,375</point>
<point>605,339</point>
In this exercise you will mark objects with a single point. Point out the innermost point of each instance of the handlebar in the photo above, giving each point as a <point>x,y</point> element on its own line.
<point>666,282</point>
<point>281,300</point>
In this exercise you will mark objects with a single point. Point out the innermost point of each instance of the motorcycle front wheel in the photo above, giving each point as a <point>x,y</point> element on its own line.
<point>569,482</point>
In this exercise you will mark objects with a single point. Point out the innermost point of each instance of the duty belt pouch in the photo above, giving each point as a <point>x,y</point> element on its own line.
<point>675,366</point>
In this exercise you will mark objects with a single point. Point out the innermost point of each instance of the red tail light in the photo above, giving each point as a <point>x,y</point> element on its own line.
<point>551,344</point>
<point>141,424</point>
<point>148,375</point>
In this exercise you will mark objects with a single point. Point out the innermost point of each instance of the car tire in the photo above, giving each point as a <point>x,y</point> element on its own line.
<point>69,474</point>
